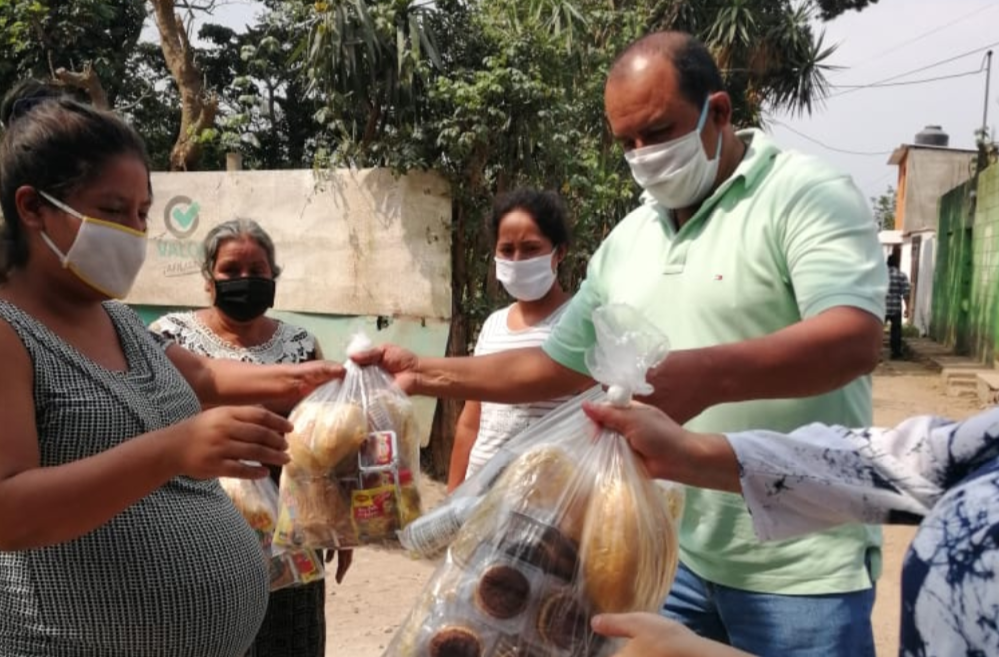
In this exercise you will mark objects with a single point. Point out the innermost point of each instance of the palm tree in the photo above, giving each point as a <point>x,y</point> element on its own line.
<point>768,50</point>
<point>368,57</point>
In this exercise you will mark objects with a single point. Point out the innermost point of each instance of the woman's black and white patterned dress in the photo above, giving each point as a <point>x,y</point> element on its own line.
<point>295,624</point>
<point>941,475</point>
<point>176,574</point>
<point>289,344</point>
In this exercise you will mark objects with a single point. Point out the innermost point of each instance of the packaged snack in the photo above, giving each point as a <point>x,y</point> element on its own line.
<point>355,456</point>
<point>257,501</point>
<point>564,525</point>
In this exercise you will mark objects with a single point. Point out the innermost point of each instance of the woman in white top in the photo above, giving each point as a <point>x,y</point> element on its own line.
<point>530,238</point>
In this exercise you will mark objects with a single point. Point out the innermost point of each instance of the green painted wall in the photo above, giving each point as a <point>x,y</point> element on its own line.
<point>425,337</point>
<point>966,276</point>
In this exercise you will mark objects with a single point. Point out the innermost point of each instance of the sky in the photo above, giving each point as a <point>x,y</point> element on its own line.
<point>884,40</point>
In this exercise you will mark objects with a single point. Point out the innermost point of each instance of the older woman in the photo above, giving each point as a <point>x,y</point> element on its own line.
<point>240,271</point>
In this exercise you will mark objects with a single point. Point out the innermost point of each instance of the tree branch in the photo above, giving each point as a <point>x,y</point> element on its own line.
<point>87,80</point>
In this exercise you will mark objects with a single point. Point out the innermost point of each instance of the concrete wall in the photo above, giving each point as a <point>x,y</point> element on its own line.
<point>929,173</point>
<point>966,282</point>
<point>350,242</point>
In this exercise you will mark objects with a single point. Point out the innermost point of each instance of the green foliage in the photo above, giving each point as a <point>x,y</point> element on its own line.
<point>37,37</point>
<point>884,209</point>
<point>830,9</point>
<point>265,111</point>
<point>514,98</point>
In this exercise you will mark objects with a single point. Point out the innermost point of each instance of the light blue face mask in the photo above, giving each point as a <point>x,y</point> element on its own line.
<point>677,173</point>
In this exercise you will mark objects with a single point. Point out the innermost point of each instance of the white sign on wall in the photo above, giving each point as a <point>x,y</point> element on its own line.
<point>350,242</point>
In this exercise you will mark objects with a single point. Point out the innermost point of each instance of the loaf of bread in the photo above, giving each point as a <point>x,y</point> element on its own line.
<point>325,434</point>
<point>674,497</point>
<point>629,547</point>
<point>544,481</point>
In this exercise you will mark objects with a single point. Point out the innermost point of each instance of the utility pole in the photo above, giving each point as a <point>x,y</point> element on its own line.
<point>988,77</point>
<point>984,142</point>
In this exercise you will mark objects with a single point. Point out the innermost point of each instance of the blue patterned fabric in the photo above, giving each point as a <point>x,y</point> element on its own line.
<point>941,475</point>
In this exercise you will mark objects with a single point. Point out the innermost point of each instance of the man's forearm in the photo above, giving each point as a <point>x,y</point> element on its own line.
<point>234,382</point>
<point>809,358</point>
<point>224,382</point>
<point>510,377</point>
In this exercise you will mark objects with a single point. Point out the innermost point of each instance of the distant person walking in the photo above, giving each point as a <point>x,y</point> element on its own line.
<point>898,291</point>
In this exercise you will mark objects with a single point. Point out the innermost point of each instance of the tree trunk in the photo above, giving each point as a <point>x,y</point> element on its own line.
<point>198,108</point>
<point>448,410</point>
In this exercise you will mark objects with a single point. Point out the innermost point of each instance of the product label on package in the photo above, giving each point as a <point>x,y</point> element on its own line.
<point>375,512</point>
<point>379,451</point>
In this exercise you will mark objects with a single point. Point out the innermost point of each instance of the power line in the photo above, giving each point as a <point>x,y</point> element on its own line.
<point>877,180</point>
<point>882,85</point>
<point>921,68</point>
<point>827,146</point>
<point>919,37</point>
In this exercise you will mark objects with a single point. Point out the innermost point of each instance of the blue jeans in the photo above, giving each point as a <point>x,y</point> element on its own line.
<point>765,624</point>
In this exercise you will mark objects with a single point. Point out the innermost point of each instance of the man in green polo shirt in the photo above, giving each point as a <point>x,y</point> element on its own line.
<point>763,268</point>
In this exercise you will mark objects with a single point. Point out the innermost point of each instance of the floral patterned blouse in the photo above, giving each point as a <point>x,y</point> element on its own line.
<point>289,344</point>
<point>928,471</point>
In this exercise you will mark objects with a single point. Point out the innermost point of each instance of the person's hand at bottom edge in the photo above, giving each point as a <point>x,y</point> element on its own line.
<point>651,635</point>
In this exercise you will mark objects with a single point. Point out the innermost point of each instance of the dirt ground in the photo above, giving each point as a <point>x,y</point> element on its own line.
<point>364,612</point>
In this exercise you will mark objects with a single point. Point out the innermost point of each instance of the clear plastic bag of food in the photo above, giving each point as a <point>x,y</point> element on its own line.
<point>257,501</point>
<point>565,525</point>
<point>355,463</point>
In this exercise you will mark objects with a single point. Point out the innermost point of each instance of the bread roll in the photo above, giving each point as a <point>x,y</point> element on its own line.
<point>629,547</point>
<point>325,434</point>
<point>674,497</point>
<point>545,480</point>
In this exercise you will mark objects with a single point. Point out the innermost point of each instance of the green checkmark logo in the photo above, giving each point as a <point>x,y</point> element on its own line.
<point>181,216</point>
<point>185,218</point>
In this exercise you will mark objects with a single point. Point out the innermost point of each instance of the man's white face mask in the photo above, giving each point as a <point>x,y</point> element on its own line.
<point>677,173</point>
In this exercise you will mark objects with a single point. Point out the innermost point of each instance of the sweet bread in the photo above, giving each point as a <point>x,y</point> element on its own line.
<point>325,434</point>
<point>545,480</point>
<point>629,549</point>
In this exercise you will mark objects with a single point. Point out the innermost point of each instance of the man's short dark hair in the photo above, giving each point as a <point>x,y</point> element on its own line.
<point>696,69</point>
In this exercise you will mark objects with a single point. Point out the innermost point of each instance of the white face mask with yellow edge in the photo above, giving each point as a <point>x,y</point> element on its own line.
<point>104,255</point>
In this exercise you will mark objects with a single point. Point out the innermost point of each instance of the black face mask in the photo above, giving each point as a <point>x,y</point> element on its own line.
<point>244,299</point>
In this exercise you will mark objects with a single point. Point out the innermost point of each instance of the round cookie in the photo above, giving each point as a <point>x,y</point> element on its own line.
<point>503,592</point>
<point>455,641</point>
<point>562,621</point>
